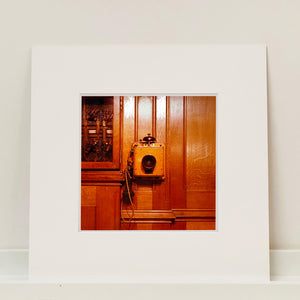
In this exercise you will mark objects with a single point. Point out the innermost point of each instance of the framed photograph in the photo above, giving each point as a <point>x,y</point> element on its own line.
<point>149,163</point>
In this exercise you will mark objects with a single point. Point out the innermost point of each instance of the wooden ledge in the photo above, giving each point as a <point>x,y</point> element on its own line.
<point>168,216</point>
<point>102,176</point>
<point>194,213</point>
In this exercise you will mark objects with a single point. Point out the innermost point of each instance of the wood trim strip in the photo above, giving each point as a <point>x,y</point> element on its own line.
<point>172,215</point>
<point>101,183</point>
<point>121,130</point>
<point>194,213</point>
<point>116,130</point>
<point>154,116</point>
<point>136,118</point>
<point>146,222</point>
<point>102,176</point>
<point>204,220</point>
<point>184,143</point>
<point>149,214</point>
<point>108,165</point>
<point>167,153</point>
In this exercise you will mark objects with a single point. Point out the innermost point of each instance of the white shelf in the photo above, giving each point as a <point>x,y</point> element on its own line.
<point>14,284</point>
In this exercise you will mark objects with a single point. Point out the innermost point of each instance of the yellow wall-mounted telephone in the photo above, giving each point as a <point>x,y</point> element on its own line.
<point>149,158</point>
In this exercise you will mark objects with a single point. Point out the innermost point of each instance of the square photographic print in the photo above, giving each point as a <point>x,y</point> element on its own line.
<point>148,162</point>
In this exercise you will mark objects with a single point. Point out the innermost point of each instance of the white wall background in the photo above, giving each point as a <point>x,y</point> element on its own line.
<point>31,22</point>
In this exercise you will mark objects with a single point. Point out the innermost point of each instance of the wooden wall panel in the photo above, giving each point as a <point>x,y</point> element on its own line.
<point>200,151</point>
<point>144,197</point>
<point>88,196</point>
<point>161,118</point>
<point>128,127</point>
<point>88,208</point>
<point>88,217</point>
<point>175,151</point>
<point>129,132</point>
<point>178,226</point>
<point>144,226</point>
<point>145,115</point>
<point>128,226</point>
<point>210,225</point>
<point>108,207</point>
<point>159,226</point>
<point>161,198</point>
<point>200,199</point>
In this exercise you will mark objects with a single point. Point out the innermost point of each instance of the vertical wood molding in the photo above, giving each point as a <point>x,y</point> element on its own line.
<point>145,116</point>
<point>136,118</point>
<point>121,130</point>
<point>128,136</point>
<point>117,137</point>
<point>161,198</point>
<point>184,116</point>
<point>167,155</point>
<point>154,116</point>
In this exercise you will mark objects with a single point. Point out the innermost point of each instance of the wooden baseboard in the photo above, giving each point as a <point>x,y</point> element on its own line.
<point>169,216</point>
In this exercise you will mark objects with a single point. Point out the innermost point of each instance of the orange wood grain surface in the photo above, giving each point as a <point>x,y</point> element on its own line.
<point>108,207</point>
<point>88,195</point>
<point>88,217</point>
<point>145,115</point>
<point>185,199</point>
<point>128,127</point>
<point>201,225</point>
<point>200,151</point>
<point>175,156</point>
<point>161,199</point>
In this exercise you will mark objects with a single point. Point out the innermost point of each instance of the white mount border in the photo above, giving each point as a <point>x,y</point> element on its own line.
<point>237,251</point>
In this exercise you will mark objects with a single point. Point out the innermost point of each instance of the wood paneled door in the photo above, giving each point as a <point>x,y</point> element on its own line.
<point>185,198</point>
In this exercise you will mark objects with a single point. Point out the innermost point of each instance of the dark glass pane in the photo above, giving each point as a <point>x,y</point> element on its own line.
<point>97,129</point>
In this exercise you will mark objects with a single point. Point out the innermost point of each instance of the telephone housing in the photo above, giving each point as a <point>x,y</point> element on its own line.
<point>149,160</point>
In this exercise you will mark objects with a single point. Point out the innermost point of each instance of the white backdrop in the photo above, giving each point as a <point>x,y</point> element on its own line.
<point>26,23</point>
